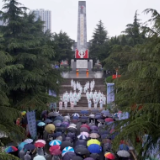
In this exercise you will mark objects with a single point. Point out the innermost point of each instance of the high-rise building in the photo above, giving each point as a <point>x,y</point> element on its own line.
<point>44,15</point>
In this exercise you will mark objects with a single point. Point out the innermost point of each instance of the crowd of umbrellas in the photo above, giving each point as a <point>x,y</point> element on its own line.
<point>81,136</point>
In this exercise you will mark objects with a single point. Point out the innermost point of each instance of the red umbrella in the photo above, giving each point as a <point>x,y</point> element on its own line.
<point>55,147</point>
<point>109,120</point>
<point>86,126</point>
<point>55,150</point>
<point>109,155</point>
<point>39,144</point>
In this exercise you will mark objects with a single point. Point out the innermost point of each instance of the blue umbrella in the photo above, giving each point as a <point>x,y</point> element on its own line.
<point>98,116</point>
<point>29,146</point>
<point>123,147</point>
<point>21,145</point>
<point>41,124</point>
<point>84,112</point>
<point>95,148</point>
<point>67,149</point>
<point>55,142</point>
<point>48,121</point>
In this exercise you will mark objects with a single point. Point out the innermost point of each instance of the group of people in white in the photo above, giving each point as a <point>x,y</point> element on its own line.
<point>74,97</point>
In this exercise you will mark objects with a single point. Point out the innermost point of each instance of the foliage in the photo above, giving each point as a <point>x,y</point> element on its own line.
<point>138,92</point>
<point>98,45</point>
<point>63,46</point>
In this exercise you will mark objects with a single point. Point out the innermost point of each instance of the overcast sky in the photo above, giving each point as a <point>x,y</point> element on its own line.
<point>115,14</point>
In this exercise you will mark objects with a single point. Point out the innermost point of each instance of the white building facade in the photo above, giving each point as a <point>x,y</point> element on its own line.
<point>44,15</point>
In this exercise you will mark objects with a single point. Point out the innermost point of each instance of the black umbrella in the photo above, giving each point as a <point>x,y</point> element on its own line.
<point>60,129</point>
<point>66,144</point>
<point>48,121</point>
<point>69,155</point>
<point>81,150</point>
<point>69,139</point>
<point>81,142</point>
<point>95,156</point>
<point>44,114</point>
<point>72,130</point>
<point>71,135</point>
<point>76,158</point>
<point>29,147</point>
<point>84,129</point>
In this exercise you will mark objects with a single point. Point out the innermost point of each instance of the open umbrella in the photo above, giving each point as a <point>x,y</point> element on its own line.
<point>89,158</point>
<point>98,116</point>
<point>55,150</point>
<point>53,114</point>
<point>39,158</point>
<point>83,137</point>
<point>94,135</point>
<point>55,142</point>
<point>93,141</point>
<point>95,148</point>
<point>21,145</point>
<point>39,144</point>
<point>84,112</point>
<point>92,115</point>
<point>23,113</point>
<point>28,140</point>
<point>94,128</point>
<point>123,147</point>
<point>66,144</point>
<point>77,158</point>
<point>69,155</point>
<point>84,129</point>
<point>95,156</point>
<point>59,117</point>
<point>123,153</point>
<point>81,142</point>
<point>41,140</point>
<point>11,149</point>
<point>75,115</point>
<point>44,113</point>
<point>57,121</point>
<point>109,155</point>
<point>85,125</point>
<point>109,120</point>
<point>48,121</point>
<point>50,128</point>
<point>85,134</point>
<point>29,147</point>
<point>67,149</point>
<point>41,124</point>
<point>71,129</point>
<point>81,150</point>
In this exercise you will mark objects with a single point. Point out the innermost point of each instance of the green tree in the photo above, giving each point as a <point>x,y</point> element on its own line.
<point>97,44</point>
<point>32,51</point>
<point>138,91</point>
<point>63,46</point>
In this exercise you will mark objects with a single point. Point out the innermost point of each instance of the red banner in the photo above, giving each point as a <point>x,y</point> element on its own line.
<point>82,54</point>
<point>115,76</point>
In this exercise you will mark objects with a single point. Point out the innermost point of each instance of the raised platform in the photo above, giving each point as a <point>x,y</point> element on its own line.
<point>82,74</point>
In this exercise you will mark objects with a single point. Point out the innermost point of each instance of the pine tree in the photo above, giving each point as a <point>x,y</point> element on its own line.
<point>32,50</point>
<point>138,92</point>
<point>63,46</point>
<point>98,41</point>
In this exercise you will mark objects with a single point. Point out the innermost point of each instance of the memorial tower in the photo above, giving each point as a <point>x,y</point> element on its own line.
<point>82,61</point>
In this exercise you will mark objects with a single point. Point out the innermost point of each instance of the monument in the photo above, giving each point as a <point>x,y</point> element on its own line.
<point>81,60</point>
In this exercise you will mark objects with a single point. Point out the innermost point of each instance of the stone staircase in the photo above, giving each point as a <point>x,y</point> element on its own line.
<point>82,104</point>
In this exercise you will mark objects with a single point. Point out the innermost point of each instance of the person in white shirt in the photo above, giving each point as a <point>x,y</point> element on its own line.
<point>72,104</point>
<point>91,95</point>
<point>101,104</point>
<point>65,104</point>
<point>89,103</point>
<point>60,104</point>
<point>95,103</point>
<point>104,100</point>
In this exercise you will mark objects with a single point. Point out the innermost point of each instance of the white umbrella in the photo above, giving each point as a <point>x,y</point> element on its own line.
<point>28,140</point>
<point>75,115</point>
<point>41,141</point>
<point>39,158</point>
<point>123,153</point>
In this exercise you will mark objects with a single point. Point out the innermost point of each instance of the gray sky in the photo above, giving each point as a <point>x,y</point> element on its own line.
<point>115,14</point>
